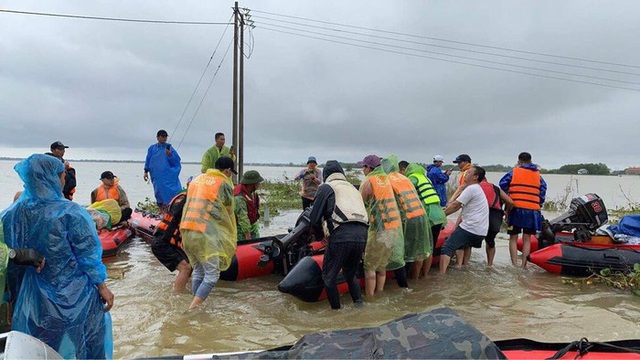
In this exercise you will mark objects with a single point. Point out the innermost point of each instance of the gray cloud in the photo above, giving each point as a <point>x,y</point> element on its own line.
<point>106,88</point>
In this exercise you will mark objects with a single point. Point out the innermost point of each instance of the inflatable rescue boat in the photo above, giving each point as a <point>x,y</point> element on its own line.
<point>112,240</point>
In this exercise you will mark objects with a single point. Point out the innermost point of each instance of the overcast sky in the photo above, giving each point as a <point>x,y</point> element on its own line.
<point>104,88</point>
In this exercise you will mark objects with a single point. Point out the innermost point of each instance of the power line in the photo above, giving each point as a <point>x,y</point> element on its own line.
<point>446,47</point>
<point>111,18</point>
<point>454,61</point>
<point>461,57</point>
<point>451,41</point>
<point>201,76</point>
<point>206,92</point>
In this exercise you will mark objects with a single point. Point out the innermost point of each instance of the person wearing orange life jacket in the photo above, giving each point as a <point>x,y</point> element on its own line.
<point>528,190</point>
<point>208,227</point>
<point>111,189</point>
<point>247,205</point>
<point>385,241</point>
<point>167,241</point>
<point>416,229</point>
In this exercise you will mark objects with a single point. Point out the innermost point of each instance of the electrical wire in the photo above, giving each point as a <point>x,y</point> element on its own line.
<point>446,47</point>
<point>453,61</point>
<point>459,56</point>
<point>206,92</point>
<point>450,41</point>
<point>200,80</point>
<point>84,17</point>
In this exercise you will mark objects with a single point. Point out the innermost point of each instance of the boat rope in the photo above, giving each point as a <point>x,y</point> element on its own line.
<point>583,346</point>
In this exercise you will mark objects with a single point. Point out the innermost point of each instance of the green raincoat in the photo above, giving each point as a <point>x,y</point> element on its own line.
<point>415,222</point>
<point>385,242</point>
<point>434,211</point>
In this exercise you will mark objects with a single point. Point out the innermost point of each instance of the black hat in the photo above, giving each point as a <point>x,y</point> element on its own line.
<point>462,157</point>
<point>107,175</point>
<point>58,145</point>
<point>162,133</point>
<point>225,163</point>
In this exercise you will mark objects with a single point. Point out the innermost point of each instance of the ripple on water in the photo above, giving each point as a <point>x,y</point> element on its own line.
<point>503,302</point>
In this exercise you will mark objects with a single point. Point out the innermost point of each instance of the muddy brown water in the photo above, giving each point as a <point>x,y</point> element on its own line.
<point>502,302</point>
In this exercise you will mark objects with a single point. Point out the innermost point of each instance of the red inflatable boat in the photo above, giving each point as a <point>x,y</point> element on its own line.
<point>305,278</point>
<point>112,240</point>
<point>144,224</point>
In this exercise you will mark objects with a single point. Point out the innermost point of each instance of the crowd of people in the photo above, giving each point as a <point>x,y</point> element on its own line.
<point>389,222</point>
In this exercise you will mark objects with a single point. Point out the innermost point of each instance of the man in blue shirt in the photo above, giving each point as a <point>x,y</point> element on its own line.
<point>439,178</point>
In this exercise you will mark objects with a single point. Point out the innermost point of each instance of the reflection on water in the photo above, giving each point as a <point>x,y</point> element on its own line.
<point>503,302</point>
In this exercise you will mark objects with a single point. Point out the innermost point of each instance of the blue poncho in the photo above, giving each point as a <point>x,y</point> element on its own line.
<point>164,171</point>
<point>61,305</point>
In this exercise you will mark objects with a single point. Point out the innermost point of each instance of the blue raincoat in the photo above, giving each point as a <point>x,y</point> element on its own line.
<point>61,305</point>
<point>164,171</point>
<point>439,181</point>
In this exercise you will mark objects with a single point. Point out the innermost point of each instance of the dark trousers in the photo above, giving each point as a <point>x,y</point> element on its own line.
<point>343,256</point>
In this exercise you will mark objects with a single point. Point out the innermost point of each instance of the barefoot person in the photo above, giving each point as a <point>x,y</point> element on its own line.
<point>475,216</point>
<point>527,189</point>
<point>167,241</point>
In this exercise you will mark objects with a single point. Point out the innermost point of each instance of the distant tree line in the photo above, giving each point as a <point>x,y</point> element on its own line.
<point>593,169</point>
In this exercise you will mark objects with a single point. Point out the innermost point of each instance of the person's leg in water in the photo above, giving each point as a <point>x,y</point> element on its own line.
<point>334,256</point>
<point>211,276</point>
<point>513,248</point>
<point>369,282</point>
<point>526,248</point>
<point>401,277</point>
<point>350,268</point>
<point>459,258</point>
<point>426,265</point>
<point>381,278</point>
<point>198,275</point>
<point>467,255</point>
<point>414,270</point>
<point>184,271</point>
<point>490,243</point>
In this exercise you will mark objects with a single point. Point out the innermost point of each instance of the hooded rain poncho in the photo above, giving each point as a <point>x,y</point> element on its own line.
<point>164,171</point>
<point>208,224</point>
<point>417,232</point>
<point>434,211</point>
<point>61,305</point>
<point>385,242</point>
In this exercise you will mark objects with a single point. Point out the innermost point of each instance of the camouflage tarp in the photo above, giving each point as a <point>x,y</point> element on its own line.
<point>437,334</point>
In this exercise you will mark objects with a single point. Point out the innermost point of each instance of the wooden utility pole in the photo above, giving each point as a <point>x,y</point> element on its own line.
<point>236,14</point>
<point>241,103</point>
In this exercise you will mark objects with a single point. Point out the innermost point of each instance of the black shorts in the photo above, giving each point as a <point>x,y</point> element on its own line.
<point>515,230</point>
<point>169,255</point>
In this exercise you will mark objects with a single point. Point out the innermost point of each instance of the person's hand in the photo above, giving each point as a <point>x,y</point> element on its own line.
<point>107,296</point>
<point>146,176</point>
<point>232,150</point>
<point>66,165</point>
<point>247,236</point>
<point>29,257</point>
<point>448,171</point>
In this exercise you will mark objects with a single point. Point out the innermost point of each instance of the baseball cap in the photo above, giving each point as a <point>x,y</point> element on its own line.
<point>107,175</point>
<point>162,133</point>
<point>58,145</point>
<point>225,163</point>
<point>462,157</point>
<point>372,161</point>
<point>312,159</point>
<point>438,158</point>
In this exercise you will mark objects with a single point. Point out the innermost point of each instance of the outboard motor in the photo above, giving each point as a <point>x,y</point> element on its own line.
<point>292,246</point>
<point>586,214</point>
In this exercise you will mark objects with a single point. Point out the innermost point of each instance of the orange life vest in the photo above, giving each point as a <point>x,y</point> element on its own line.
<point>169,227</point>
<point>525,188</point>
<point>406,195</point>
<point>387,208</point>
<point>463,173</point>
<point>103,193</point>
<point>202,194</point>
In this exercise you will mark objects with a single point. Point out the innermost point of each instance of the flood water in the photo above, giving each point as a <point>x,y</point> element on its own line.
<point>502,302</point>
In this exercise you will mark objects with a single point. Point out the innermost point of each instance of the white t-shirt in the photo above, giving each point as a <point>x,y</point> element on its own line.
<point>475,210</point>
